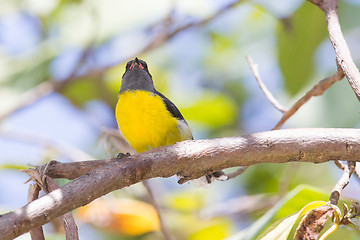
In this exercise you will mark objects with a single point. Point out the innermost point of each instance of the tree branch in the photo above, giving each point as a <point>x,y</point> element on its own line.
<point>50,86</point>
<point>236,173</point>
<point>317,90</point>
<point>29,97</point>
<point>33,194</point>
<point>48,184</point>
<point>339,164</point>
<point>158,209</point>
<point>191,159</point>
<point>268,95</point>
<point>71,230</point>
<point>342,183</point>
<point>63,148</point>
<point>343,56</point>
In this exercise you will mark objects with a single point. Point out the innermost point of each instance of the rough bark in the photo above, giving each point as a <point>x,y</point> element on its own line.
<point>191,159</point>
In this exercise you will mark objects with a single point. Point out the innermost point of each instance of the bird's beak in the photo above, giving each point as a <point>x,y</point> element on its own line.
<point>136,62</point>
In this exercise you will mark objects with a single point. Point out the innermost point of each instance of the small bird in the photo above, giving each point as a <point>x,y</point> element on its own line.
<point>147,119</point>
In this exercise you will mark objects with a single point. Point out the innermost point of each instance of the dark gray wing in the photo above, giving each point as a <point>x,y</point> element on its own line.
<point>170,106</point>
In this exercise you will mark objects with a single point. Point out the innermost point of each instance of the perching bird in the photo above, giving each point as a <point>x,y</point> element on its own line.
<point>146,118</point>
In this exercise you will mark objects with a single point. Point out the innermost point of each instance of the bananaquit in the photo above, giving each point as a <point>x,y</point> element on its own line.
<point>146,118</point>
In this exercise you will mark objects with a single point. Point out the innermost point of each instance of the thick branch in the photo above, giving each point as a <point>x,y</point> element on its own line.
<point>188,158</point>
<point>74,170</point>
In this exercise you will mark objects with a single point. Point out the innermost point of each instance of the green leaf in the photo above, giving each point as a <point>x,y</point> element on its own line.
<point>85,89</point>
<point>280,230</point>
<point>219,229</point>
<point>345,233</point>
<point>221,42</point>
<point>25,74</point>
<point>192,226</point>
<point>13,167</point>
<point>298,37</point>
<point>186,201</point>
<point>348,13</point>
<point>80,91</point>
<point>292,202</point>
<point>212,110</point>
<point>305,195</point>
<point>263,178</point>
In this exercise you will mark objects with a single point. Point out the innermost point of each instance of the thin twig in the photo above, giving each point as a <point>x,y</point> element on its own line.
<point>33,95</point>
<point>29,97</point>
<point>357,171</point>
<point>113,141</point>
<point>342,52</point>
<point>48,185</point>
<point>242,205</point>
<point>43,173</point>
<point>236,173</point>
<point>35,233</point>
<point>255,69</point>
<point>50,86</point>
<point>167,35</point>
<point>157,207</point>
<point>71,230</point>
<point>290,170</point>
<point>339,164</point>
<point>317,90</point>
<point>342,183</point>
<point>63,148</point>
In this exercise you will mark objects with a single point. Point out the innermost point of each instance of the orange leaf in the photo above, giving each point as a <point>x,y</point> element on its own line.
<point>126,216</point>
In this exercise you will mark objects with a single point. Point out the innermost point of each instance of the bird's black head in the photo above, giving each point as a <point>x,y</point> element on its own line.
<point>137,77</point>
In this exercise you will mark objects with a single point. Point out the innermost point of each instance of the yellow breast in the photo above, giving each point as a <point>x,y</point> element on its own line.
<point>144,121</point>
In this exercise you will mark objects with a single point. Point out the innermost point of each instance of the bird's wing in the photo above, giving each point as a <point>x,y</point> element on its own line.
<point>170,106</point>
<point>183,126</point>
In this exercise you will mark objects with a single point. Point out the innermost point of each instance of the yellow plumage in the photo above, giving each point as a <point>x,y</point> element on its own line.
<point>147,119</point>
<point>144,121</point>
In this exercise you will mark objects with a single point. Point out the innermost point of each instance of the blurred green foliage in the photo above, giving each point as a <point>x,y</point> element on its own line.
<point>202,69</point>
<point>298,38</point>
<point>220,107</point>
